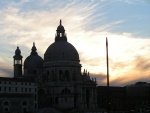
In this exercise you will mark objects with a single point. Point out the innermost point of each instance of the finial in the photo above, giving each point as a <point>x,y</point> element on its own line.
<point>33,43</point>
<point>60,21</point>
<point>33,48</point>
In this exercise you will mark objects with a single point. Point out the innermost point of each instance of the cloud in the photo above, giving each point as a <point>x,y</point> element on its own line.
<point>100,78</point>
<point>142,64</point>
<point>125,66</point>
<point>5,69</point>
<point>133,1</point>
<point>126,72</point>
<point>22,27</point>
<point>139,71</point>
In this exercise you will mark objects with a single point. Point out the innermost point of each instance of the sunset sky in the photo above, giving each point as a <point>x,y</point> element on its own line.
<point>126,24</point>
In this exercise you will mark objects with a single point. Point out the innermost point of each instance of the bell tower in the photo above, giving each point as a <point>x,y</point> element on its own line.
<point>17,63</point>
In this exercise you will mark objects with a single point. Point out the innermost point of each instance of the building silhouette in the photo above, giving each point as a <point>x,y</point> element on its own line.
<point>55,82</point>
<point>134,98</point>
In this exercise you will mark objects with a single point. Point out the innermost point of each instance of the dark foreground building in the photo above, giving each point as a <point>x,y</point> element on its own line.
<point>131,98</point>
<point>52,84</point>
<point>18,95</point>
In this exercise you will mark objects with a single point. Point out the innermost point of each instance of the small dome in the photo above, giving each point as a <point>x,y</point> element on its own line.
<point>34,61</point>
<point>61,50</point>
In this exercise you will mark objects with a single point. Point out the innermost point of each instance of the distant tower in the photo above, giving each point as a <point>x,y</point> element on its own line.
<point>17,63</point>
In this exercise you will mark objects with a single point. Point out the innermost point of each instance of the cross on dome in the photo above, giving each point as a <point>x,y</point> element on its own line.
<point>60,21</point>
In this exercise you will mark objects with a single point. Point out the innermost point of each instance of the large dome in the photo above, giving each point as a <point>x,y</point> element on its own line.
<point>61,50</point>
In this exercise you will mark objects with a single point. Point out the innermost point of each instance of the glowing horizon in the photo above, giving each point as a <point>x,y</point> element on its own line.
<point>87,24</point>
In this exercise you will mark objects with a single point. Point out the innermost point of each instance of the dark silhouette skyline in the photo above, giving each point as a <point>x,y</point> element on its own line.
<point>91,22</point>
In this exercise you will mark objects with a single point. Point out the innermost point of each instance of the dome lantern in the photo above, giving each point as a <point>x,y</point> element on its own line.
<point>33,52</point>
<point>61,49</point>
<point>60,35</point>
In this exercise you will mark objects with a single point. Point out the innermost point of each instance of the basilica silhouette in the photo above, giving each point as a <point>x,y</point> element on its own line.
<point>54,84</point>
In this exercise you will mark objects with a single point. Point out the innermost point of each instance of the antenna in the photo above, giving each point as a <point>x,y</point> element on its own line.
<point>108,90</point>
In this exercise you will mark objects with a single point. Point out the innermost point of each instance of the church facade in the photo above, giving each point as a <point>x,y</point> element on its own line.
<point>57,80</point>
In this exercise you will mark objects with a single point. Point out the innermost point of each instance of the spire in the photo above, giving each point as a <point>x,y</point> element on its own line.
<point>33,52</point>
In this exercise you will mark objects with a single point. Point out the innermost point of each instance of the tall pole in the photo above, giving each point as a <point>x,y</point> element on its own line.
<point>108,93</point>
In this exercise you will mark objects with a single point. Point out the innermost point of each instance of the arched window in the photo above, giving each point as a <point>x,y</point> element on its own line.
<point>52,75</point>
<point>47,76</point>
<point>60,34</point>
<point>74,76</point>
<point>24,107</point>
<point>87,97</point>
<point>67,75</point>
<point>63,54</point>
<point>56,100</point>
<point>66,91</point>
<point>6,103</point>
<point>41,91</point>
<point>60,75</point>
<point>47,72</point>
<point>24,103</point>
<point>52,72</point>
<point>35,72</point>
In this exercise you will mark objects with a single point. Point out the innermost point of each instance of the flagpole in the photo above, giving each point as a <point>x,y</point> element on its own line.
<point>108,93</point>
